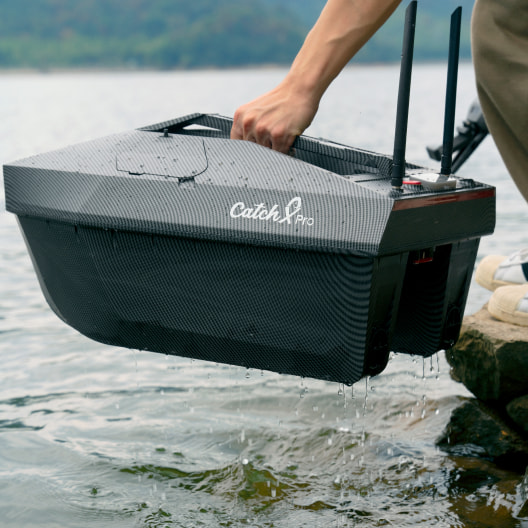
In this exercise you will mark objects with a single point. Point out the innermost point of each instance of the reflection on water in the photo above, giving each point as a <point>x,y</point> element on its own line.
<point>97,436</point>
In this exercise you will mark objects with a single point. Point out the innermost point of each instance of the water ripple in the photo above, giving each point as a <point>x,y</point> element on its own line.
<point>100,436</point>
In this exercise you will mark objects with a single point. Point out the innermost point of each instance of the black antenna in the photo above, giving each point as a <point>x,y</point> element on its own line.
<point>450,103</point>
<point>404,92</point>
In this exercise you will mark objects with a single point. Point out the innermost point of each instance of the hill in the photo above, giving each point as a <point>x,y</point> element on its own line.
<point>47,34</point>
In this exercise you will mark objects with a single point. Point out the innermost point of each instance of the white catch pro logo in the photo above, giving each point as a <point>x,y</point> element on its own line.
<point>291,213</point>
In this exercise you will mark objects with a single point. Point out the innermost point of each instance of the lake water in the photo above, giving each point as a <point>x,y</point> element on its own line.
<point>92,435</point>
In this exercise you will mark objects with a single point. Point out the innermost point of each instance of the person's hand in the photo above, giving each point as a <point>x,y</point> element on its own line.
<point>275,119</point>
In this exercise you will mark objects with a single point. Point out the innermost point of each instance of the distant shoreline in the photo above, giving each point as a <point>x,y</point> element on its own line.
<point>263,67</point>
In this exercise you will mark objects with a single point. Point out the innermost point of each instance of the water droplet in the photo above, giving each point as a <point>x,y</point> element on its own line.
<point>330,442</point>
<point>245,461</point>
<point>273,492</point>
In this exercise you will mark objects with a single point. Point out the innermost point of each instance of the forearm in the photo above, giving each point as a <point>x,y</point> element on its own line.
<point>343,27</point>
<point>277,117</point>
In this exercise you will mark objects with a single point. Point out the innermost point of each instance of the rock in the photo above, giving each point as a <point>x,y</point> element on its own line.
<point>518,412</point>
<point>477,430</point>
<point>491,358</point>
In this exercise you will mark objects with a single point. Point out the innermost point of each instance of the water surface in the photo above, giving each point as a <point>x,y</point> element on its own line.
<point>92,435</point>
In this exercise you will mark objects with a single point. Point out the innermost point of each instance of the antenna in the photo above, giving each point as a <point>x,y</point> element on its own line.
<point>404,91</point>
<point>450,103</point>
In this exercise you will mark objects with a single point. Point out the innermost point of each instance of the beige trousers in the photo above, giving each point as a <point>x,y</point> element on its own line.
<point>499,38</point>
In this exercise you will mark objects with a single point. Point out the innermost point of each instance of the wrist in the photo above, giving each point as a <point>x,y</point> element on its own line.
<point>303,85</point>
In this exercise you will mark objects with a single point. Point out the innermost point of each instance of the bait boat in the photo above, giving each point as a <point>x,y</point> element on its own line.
<point>175,239</point>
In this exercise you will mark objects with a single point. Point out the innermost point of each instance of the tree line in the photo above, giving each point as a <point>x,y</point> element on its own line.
<point>167,34</point>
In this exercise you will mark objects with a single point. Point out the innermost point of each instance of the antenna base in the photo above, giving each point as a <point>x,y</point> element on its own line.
<point>433,181</point>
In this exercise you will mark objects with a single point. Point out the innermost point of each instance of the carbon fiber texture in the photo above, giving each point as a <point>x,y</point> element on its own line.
<point>296,311</point>
<point>237,172</point>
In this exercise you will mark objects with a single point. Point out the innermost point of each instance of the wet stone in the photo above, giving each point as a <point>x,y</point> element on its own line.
<point>518,412</point>
<point>491,358</point>
<point>476,429</point>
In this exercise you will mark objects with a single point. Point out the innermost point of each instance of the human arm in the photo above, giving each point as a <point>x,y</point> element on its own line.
<point>277,117</point>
